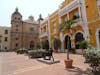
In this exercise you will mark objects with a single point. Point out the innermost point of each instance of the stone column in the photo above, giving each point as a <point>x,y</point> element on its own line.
<point>62,42</point>
<point>49,35</point>
<point>84,18</point>
<point>79,10</point>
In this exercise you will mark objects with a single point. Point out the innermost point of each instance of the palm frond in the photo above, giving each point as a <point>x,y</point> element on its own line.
<point>67,25</point>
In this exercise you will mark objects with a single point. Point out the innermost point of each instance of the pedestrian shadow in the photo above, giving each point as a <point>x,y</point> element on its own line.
<point>79,71</point>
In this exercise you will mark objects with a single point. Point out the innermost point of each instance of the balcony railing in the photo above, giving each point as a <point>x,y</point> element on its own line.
<point>43,34</point>
<point>74,4</point>
<point>78,22</point>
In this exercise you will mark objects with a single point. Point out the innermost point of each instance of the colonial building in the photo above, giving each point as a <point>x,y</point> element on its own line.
<point>87,26</point>
<point>24,34</point>
<point>4,38</point>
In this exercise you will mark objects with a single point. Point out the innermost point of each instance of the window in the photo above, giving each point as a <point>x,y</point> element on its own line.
<point>16,29</point>
<point>16,38</point>
<point>54,27</point>
<point>15,18</point>
<point>17,25</point>
<point>66,19</point>
<point>16,44</point>
<point>0,38</point>
<point>76,15</point>
<point>31,29</point>
<point>18,18</point>
<point>6,39</point>
<point>6,31</point>
<point>5,47</point>
<point>99,8</point>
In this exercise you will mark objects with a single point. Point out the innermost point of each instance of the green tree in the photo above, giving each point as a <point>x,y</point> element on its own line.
<point>67,25</point>
<point>83,45</point>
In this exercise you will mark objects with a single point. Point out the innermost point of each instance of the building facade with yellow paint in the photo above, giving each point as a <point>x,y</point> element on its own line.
<point>86,14</point>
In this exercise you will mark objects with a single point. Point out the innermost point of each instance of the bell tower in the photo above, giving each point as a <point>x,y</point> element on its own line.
<point>16,16</point>
<point>16,29</point>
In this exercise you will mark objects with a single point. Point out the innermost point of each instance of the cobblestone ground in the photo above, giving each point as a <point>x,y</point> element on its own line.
<point>16,64</point>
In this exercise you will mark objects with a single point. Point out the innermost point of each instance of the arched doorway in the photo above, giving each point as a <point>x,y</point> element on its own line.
<point>67,42</point>
<point>99,37</point>
<point>45,44</point>
<point>78,38</point>
<point>31,44</point>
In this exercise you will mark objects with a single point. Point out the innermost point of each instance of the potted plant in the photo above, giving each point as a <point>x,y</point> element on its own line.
<point>92,56</point>
<point>83,45</point>
<point>68,25</point>
<point>57,44</point>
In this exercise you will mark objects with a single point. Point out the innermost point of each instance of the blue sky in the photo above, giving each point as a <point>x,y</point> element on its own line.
<point>26,8</point>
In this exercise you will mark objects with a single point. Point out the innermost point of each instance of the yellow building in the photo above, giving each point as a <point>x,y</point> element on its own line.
<point>86,13</point>
<point>93,16</point>
<point>44,31</point>
<point>54,26</point>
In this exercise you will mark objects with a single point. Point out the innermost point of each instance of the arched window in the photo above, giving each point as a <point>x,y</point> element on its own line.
<point>78,37</point>
<point>67,42</point>
<point>31,44</point>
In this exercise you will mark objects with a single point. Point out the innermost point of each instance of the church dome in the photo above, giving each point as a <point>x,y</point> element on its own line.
<point>16,12</point>
<point>16,16</point>
<point>31,18</point>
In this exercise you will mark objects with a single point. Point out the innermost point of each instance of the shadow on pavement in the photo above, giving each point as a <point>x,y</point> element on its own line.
<point>79,71</point>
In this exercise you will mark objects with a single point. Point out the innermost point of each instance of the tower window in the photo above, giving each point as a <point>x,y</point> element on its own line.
<point>15,18</point>
<point>16,29</point>
<point>16,44</point>
<point>6,39</point>
<point>18,18</point>
<point>17,25</point>
<point>16,38</point>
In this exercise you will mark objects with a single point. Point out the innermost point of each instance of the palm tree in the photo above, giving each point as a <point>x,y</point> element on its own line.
<point>67,25</point>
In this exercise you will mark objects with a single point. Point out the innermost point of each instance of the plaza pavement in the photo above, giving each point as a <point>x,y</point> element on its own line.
<point>16,64</point>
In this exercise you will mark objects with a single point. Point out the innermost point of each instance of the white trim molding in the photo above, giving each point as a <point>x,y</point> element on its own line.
<point>49,31</point>
<point>97,38</point>
<point>71,6</point>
